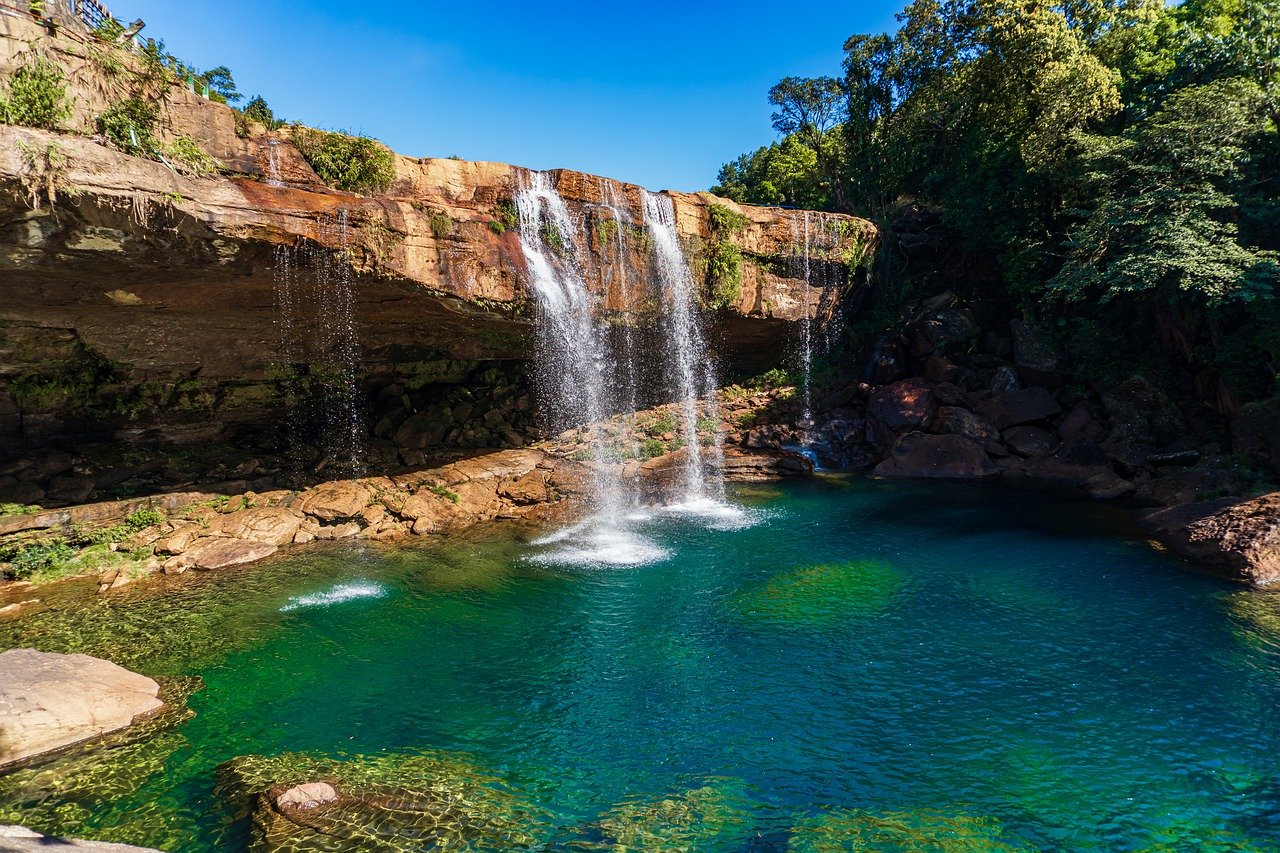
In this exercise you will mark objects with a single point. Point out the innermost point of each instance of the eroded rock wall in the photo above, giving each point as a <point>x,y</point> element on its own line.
<point>142,308</point>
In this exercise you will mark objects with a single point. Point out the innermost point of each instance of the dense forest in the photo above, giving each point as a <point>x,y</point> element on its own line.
<point>1107,168</point>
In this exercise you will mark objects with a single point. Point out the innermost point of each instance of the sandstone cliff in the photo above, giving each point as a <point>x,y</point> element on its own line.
<point>143,306</point>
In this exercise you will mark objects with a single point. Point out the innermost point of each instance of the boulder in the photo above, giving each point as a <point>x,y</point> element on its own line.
<point>336,501</point>
<point>1006,379</point>
<point>271,525</point>
<point>1028,406</point>
<point>1028,440</point>
<point>19,839</point>
<point>51,701</point>
<point>1144,411</point>
<point>1077,466</point>
<point>954,420</point>
<point>1239,535</point>
<point>219,553</point>
<point>529,489</point>
<point>940,325</point>
<point>903,405</point>
<point>308,795</point>
<point>1255,433</point>
<point>918,454</point>
<point>1034,355</point>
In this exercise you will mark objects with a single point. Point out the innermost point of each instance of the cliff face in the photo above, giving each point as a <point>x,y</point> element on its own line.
<point>155,308</point>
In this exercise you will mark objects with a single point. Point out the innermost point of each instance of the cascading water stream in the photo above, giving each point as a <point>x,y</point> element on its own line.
<point>575,372</point>
<point>628,399</point>
<point>693,373</point>
<point>273,163</point>
<point>327,319</point>
<point>806,335</point>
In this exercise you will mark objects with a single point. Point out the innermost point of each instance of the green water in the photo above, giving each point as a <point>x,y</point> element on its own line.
<point>870,666</point>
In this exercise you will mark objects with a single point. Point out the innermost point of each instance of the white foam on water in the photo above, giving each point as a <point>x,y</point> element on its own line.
<point>594,543</point>
<point>335,595</point>
<point>717,515</point>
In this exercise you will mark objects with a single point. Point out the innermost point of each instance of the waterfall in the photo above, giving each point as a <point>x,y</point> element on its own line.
<point>692,373</point>
<point>334,352</point>
<point>273,163</point>
<point>616,248</point>
<point>576,373</point>
<point>806,335</point>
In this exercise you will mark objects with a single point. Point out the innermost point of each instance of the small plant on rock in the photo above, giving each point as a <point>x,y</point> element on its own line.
<point>186,156</point>
<point>36,96</point>
<point>130,126</point>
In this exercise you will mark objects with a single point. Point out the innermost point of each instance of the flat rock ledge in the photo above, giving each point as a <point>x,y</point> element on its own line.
<point>51,701</point>
<point>1240,536</point>
<point>19,839</point>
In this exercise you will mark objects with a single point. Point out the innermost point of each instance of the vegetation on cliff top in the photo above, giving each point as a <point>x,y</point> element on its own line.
<point>1109,169</point>
<point>352,163</point>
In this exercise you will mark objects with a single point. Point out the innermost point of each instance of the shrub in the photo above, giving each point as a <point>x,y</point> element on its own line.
<point>724,275</point>
<point>36,96</point>
<point>130,126</point>
<point>724,221</point>
<point>108,30</point>
<point>508,217</point>
<point>350,163</point>
<point>441,225</point>
<point>28,559</point>
<point>257,110</point>
<point>186,156</point>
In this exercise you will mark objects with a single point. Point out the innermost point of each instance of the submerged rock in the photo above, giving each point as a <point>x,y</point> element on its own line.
<point>19,839</point>
<point>923,829</point>
<point>404,802</point>
<point>50,701</point>
<point>1241,536</point>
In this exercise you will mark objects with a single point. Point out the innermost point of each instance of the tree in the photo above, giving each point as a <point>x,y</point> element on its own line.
<point>808,108</point>
<point>221,85</point>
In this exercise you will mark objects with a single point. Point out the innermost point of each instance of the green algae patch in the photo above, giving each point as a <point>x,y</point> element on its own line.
<point>921,831</point>
<point>710,817</point>
<point>392,802</point>
<point>824,594</point>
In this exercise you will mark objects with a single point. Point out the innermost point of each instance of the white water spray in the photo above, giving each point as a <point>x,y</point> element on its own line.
<point>692,372</point>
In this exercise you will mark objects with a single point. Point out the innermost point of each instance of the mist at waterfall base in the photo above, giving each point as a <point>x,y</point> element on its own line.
<point>586,373</point>
<point>928,657</point>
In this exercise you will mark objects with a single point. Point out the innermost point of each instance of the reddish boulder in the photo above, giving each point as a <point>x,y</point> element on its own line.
<point>903,405</point>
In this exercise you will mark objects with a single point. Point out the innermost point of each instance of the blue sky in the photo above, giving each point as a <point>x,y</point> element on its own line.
<point>655,94</point>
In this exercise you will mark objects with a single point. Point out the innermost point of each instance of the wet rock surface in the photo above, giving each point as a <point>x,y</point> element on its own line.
<point>50,701</point>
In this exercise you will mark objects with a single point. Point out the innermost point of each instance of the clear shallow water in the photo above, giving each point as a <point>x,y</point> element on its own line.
<point>936,655</point>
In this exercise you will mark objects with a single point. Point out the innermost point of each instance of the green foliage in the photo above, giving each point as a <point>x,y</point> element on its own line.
<point>606,230</point>
<point>506,219</point>
<point>258,111</point>
<point>724,221</point>
<point>19,509</point>
<point>108,30</point>
<point>36,96</point>
<point>652,448</point>
<point>130,125</point>
<point>724,275</point>
<point>771,379</point>
<point>1121,156</point>
<point>187,156</point>
<point>441,225</point>
<point>219,85</point>
<point>351,163</point>
<point>552,237</point>
<point>442,492</point>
